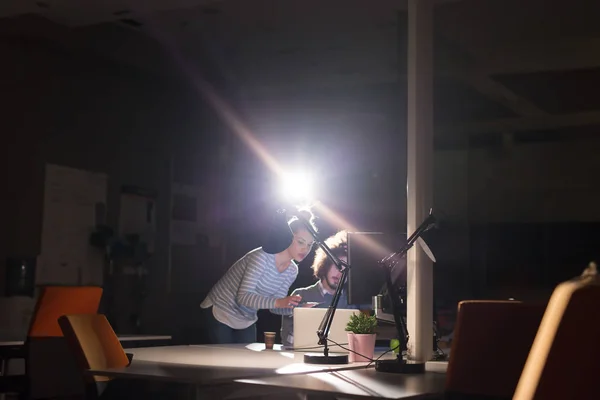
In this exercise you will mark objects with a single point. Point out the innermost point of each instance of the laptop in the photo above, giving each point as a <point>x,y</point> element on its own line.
<point>307,321</point>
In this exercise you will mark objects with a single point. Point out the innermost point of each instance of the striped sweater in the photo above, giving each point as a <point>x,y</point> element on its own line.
<point>251,284</point>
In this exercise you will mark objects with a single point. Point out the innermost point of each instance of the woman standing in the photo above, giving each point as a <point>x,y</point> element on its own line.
<point>259,280</point>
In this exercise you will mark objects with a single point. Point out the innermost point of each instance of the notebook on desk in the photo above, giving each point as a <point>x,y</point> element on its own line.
<point>307,321</point>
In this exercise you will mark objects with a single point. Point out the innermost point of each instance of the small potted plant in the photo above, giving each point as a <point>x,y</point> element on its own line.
<point>361,336</point>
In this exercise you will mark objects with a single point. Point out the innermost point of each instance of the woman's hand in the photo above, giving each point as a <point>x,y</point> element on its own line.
<point>288,302</point>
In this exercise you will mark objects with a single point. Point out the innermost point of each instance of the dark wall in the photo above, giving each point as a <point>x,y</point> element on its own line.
<point>535,255</point>
<point>85,112</point>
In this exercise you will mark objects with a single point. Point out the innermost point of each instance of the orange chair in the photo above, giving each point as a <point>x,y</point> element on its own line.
<point>563,362</point>
<point>490,346</point>
<point>49,368</point>
<point>55,301</point>
<point>95,345</point>
<point>48,373</point>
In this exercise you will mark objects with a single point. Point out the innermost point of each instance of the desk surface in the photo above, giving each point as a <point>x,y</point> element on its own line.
<point>212,364</point>
<point>360,383</point>
<point>278,370</point>
<point>10,342</point>
<point>143,338</point>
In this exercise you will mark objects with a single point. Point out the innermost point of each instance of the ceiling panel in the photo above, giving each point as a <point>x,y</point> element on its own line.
<point>265,48</point>
<point>478,25</point>
<point>455,102</point>
<point>558,92</point>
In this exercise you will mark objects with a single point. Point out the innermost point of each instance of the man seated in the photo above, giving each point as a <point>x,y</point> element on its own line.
<point>321,292</point>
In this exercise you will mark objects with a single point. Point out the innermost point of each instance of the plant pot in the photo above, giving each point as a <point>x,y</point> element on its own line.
<point>363,344</point>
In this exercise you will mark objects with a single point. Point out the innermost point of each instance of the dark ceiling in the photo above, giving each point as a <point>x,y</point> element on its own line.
<point>524,69</point>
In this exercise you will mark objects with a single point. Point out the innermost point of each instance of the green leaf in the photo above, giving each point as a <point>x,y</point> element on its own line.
<point>362,324</point>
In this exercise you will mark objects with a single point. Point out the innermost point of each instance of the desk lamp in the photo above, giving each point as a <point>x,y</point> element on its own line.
<point>325,325</point>
<point>400,365</point>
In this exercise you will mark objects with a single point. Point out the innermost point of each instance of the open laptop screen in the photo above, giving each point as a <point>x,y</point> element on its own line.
<point>306,324</point>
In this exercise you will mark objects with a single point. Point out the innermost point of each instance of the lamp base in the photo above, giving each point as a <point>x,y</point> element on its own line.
<point>319,358</point>
<point>400,367</point>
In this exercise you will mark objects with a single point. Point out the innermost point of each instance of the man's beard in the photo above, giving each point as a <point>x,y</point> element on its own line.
<point>332,285</point>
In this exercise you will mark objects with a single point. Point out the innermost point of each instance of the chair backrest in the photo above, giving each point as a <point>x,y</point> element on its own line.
<point>55,301</point>
<point>563,362</point>
<point>93,342</point>
<point>50,369</point>
<point>491,342</point>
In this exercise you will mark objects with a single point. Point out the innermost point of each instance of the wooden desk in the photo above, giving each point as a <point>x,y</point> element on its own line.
<point>143,338</point>
<point>11,343</point>
<point>16,342</point>
<point>244,370</point>
<point>12,348</point>
<point>214,364</point>
<point>357,383</point>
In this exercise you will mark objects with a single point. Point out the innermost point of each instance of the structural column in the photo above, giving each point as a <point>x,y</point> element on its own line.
<point>420,174</point>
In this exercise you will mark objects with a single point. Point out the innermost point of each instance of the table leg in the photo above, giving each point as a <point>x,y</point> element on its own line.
<point>2,372</point>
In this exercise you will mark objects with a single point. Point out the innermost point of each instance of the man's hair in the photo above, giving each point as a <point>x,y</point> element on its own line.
<point>338,244</point>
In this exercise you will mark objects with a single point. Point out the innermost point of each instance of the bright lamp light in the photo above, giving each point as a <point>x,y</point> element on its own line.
<point>297,187</point>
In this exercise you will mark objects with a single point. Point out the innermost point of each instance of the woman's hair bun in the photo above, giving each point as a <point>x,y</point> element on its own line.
<point>306,214</point>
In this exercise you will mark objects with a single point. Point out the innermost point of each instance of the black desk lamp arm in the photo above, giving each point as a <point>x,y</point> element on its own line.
<point>388,264</point>
<point>325,325</point>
